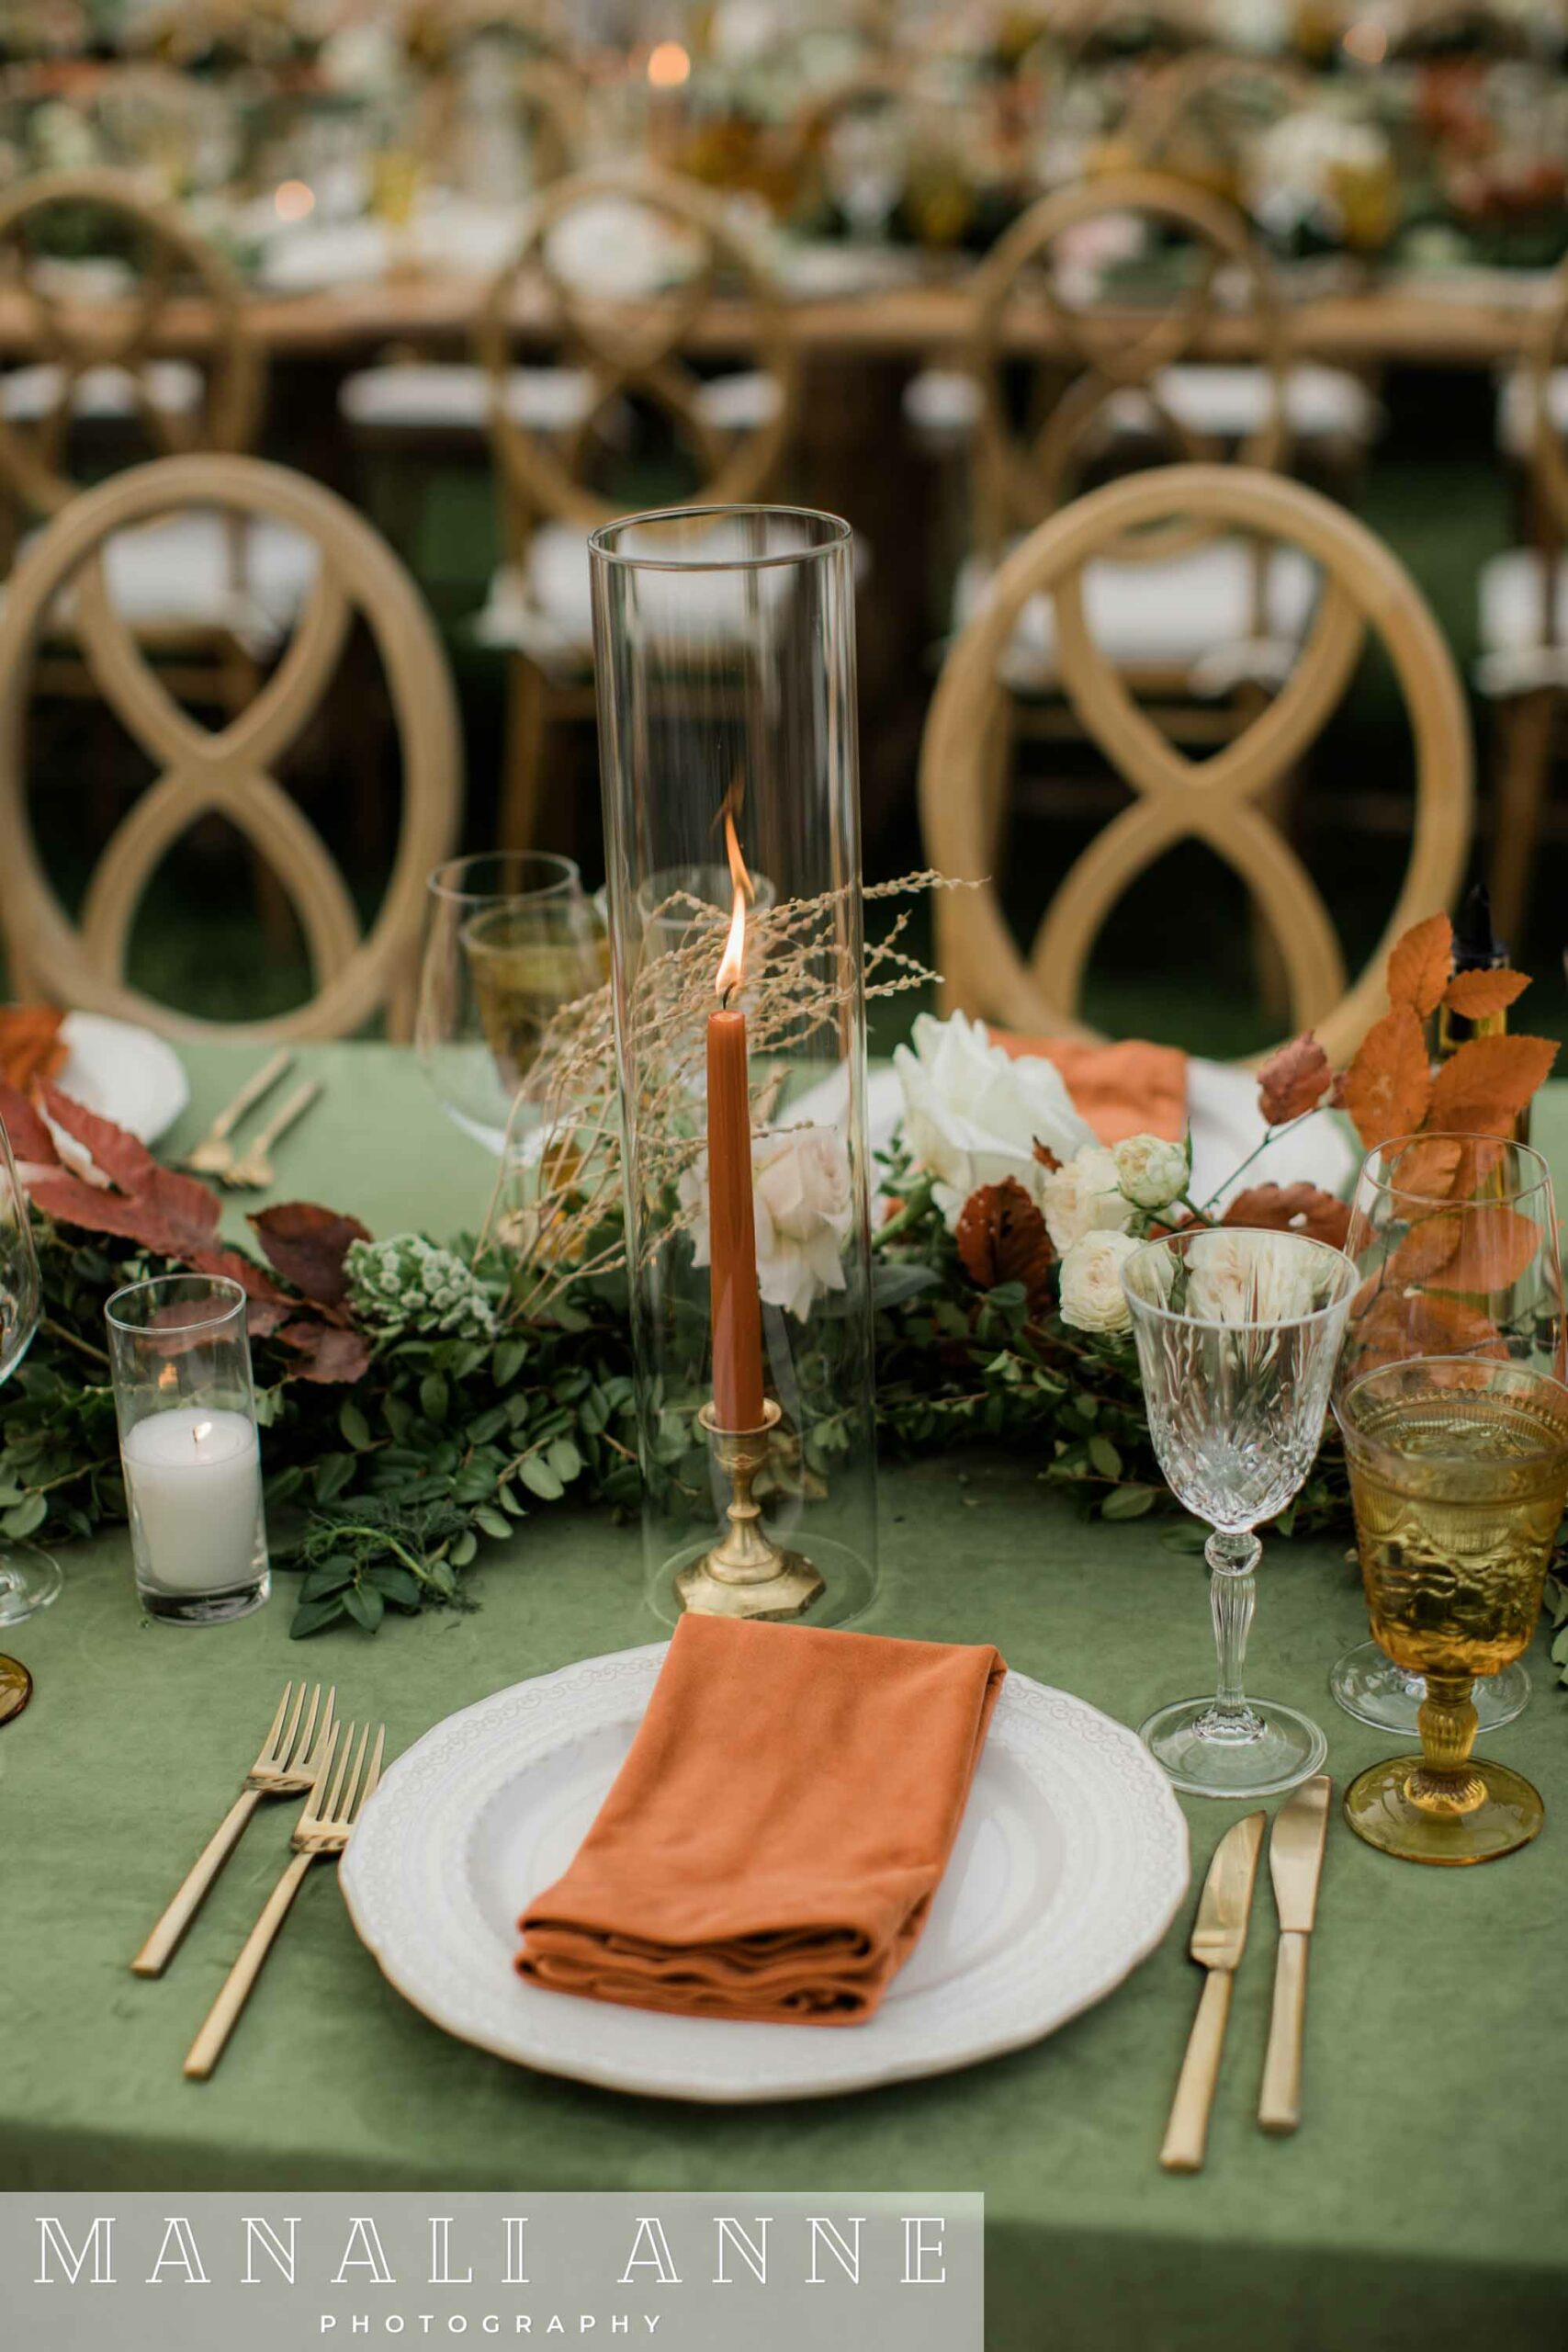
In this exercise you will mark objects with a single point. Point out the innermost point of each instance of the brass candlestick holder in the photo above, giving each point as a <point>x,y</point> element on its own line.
<point>746,1574</point>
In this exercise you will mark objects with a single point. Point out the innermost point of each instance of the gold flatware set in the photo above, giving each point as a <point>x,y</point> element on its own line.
<point>1217,1943</point>
<point>250,1169</point>
<point>306,1753</point>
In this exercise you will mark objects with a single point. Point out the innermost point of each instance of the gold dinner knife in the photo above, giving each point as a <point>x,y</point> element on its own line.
<point>1295,1862</point>
<point>1219,1939</point>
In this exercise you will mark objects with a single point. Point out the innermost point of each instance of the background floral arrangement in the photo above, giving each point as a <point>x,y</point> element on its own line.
<point>419,1400</point>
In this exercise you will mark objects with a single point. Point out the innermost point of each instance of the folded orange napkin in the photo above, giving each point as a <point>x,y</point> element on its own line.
<point>772,1843</point>
<point>1130,1089</point>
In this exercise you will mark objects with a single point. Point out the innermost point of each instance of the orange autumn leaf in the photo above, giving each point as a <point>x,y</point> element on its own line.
<point>1402,1324</point>
<point>1419,966</point>
<point>31,1048</point>
<point>1425,1248</point>
<point>1292,1208</point>
<point>1426,1171</point>
<point>1494,1247</point>
<point>1388,1088</point>
<point>1481,1247</point>
<point>1484,1086</point>
<point>1292,1080</point>
<point>1001,1238</point>
<point>1477,995</point>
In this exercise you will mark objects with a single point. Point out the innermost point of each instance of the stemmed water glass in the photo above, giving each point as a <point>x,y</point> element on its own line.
<point>510,939</point>
<point>1238,1333</point>
<point>30,1579</point>
<point>1455,1240</point>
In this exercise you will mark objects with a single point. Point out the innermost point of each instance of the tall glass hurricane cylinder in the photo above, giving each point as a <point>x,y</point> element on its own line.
<point>724,642</point>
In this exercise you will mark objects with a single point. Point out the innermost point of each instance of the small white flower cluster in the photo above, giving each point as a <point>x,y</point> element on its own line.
<point>972,1116</point>
<point>1092,1206</point>
<point>407,1284</point>
<point>973,1113</point>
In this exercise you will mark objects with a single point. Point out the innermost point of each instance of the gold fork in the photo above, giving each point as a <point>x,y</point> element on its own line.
<point>251,1171</point>
<point>214,1155</point>
<point>324,1827</point>
<point>284,1768</point>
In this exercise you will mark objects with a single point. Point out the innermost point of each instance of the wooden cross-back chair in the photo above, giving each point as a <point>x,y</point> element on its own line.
<point>1109,349</point>
<point>229,772</point>
<point>629,345</point>
<point>1195,115</point>
<point>1221,801</point>
<point>1420,27</point>
<point>1523,617</point>
<point>1204,616</point>
<point>103,356</point>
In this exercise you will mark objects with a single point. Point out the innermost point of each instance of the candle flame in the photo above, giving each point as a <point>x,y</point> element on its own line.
<point>199,1430</point>
<point>733,962</point>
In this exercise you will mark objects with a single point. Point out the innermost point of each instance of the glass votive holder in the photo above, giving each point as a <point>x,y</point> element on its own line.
<point>181,1362</point>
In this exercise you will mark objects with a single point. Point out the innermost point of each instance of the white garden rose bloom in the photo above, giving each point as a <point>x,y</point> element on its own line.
<point>1151,1171</point>
<point>973,1113</point>
<point>1240,1274</point>
<point>1092,1295</point>
<point>804,1210</point>
<point>1085,1196</point>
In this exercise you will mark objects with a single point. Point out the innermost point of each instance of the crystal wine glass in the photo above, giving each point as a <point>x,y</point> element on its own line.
<point>511,938</point>
<point>30,1579</point>
<point>1238,1333</point>
<point>1458,1473</point>
<point>1455,1239</point>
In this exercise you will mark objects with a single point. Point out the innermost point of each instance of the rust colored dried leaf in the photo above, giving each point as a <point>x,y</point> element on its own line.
<point>1425,1248</point>
<point>326,1353</point>
<point>1292,1081</point>
<point>1046,1157</point>
<point>154,1205</point>
<point>1292,1208</point>
<point>1001,1238</point>
<point>31,1143</point>
<point>1388,1088</point>
<point>1475,996</point>
<point>1426,1171</point>
<point>1419,966</point>
<point>1483,1087</point>
<point>1495,1247</point>
<point>307,1245</point>
<point>1402,1324</point>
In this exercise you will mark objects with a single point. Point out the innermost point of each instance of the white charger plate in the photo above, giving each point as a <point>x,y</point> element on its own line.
<point>123,1073</point>
<point>1070,1863</point>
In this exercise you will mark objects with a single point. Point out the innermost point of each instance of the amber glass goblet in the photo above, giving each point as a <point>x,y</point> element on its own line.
<point>1458,1473</point>
<point>1455,1240</point>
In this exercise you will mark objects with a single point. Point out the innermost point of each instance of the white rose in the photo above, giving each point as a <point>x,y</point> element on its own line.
<point>803,1209</point>
<point>1092,1295</point>
<point>973,1113</point>
<point>1152,1171</point>
<point>1240,1274</point>
<point>1085,1196</point>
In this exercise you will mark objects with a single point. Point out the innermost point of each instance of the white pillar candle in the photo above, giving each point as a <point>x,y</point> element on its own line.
<point>193,1480</point>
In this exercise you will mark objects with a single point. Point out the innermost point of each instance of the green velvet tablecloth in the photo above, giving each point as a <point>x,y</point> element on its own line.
<point>1421,2204</point>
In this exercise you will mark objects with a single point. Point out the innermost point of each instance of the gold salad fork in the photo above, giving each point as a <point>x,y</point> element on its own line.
<point>214,1155</point>
<point>323,1827</point>
<point>284,1768</point>
<point>251,1170</point>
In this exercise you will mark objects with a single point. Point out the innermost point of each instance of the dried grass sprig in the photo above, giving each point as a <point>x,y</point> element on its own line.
<point>565,1147</point>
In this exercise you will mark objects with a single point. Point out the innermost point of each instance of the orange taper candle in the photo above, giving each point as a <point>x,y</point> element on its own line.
<point>732,1231</point>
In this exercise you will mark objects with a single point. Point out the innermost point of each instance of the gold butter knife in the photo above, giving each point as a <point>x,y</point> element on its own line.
<point>1219,1939</point>
<point>1295,1863</point>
